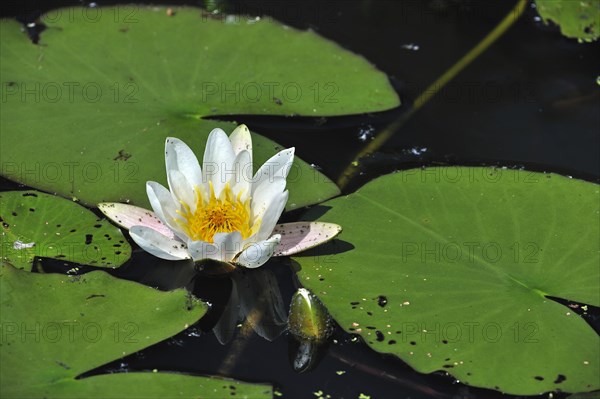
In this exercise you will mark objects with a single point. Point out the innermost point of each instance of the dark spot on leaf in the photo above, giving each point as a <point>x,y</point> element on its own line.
<point>370,313</point>
<point>63,365</point>
<point>447,366</point>
<point>14,213</point>
<point>277,101</point>
<point>354,303</point>
<point>380,336</point>
<point>413,343</point>
<point>537,377</point>
<point>382,300</point>
<point>29,195</point>
<point>97,226</point>
<point>559,378</point>
<point>59,225</point>
<point>444,341</point>
<point>96,296</point>
<point>60,256</point>
<point>88,239</point>
<point>31,209</point>
<point>117,252</point>
<point>123,156</point>
<point>73,230</point>
<point>117,245</point>
<point>391,342</point>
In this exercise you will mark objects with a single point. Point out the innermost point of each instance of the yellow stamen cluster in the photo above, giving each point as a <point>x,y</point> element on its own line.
<point>216,215</point>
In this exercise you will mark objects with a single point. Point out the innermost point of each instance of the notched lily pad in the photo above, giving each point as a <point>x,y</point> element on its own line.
<point>39,224</point>
<point>106,86</point>
<point>57,327</point>
<point>453,269</point>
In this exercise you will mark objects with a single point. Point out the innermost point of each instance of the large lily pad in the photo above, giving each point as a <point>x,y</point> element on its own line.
<point>452,269</point>
<point>85,113</point>
<point>55,327</point>
<point>577,19</point>
<point>38,224</point>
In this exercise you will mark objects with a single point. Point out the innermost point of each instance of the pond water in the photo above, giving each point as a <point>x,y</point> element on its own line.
<point>530,101</point>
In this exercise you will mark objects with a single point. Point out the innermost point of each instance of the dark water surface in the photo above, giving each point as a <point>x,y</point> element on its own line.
<point>530,101</point>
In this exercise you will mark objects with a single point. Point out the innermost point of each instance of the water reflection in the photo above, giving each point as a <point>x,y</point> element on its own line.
<point>254,298</point>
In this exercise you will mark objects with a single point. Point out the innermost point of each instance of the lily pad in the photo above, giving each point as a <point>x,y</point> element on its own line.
<point>577,19</point>
<point>454,268</point>
<point>86,112</point>
<point>38,224</point>
<point>56,327</point>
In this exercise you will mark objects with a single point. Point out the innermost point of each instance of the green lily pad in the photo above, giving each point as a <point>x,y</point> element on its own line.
<point>452,268</point>
<point>56,327</point>
<point>38,224</point>
<point>105,86</point>
<point>577,19</point>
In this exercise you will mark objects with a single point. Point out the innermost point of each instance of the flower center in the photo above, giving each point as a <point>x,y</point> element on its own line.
<point>216,215</point>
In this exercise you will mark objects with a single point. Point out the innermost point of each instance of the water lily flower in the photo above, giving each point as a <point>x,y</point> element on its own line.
<point>220,211</point>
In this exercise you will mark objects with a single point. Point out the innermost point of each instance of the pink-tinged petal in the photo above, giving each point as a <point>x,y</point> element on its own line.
<point>241,140</point>
<point>127,216</point>
<point>300,236</point>
<point>278,165</point>
<point>257,254</point>
<point>218,160</point>
<point>180,157</point>
<point>158,245</point>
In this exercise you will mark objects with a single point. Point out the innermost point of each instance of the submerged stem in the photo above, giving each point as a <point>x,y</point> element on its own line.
<point>433,89</point>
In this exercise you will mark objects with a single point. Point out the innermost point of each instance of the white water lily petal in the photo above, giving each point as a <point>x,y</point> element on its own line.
<point>241,140</point>
<point>278,165</point>
<point>265,194</point>
<point>257,254</point>
<point>199,250</point>
<point>233,222</point>
<point>218,160</point>
<point>271,216</point>
<point>161,200</point>
<point>180,157</point>
<point>181,189</point>
<point>229,244</point>
<point>242,180</point>
<point>157,244</point>
<point>164,206</point>
<point>300,236</point>
<point>127,216</point>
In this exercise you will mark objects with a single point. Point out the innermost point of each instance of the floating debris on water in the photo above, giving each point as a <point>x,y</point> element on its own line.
<point>23,245</point>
